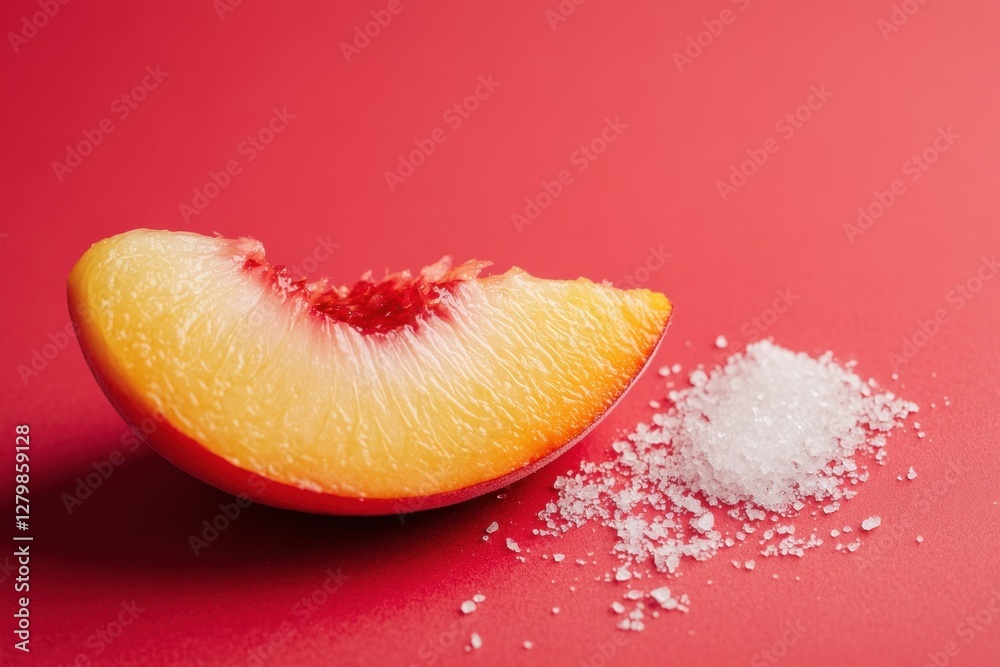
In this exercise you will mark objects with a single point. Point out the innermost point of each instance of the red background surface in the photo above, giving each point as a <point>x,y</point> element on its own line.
<point>894,602</point>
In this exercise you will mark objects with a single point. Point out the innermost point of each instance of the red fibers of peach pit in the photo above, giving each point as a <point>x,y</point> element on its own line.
<point>370,306</point>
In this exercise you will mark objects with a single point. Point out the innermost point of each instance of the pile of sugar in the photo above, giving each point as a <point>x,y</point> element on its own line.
<point>752,441</point>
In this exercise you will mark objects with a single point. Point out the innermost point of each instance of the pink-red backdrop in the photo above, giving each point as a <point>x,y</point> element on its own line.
<point>897,107</point>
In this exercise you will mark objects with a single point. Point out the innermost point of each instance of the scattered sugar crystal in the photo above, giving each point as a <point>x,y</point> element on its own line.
<point>705,522</point>
<point>871,523</point>
<point>512,545</point>
<point>493,527</point>
<point>618,607</point>
<point>555,610</point>
<point>912,474</point>
<point>834,533</point>
<point>558,557</point>
<point>663,597</point>
<point>468,607</point>
<point>476,641</point>
<point>663,371</point>
<point>528,645</point>
<point>479,598</point>
<point>655,405</point>
<point>756,439</point>
<point>920,538</point>
<point>721,342</point>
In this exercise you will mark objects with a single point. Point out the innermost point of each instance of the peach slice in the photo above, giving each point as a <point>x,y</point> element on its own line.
<point>411,392</point>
